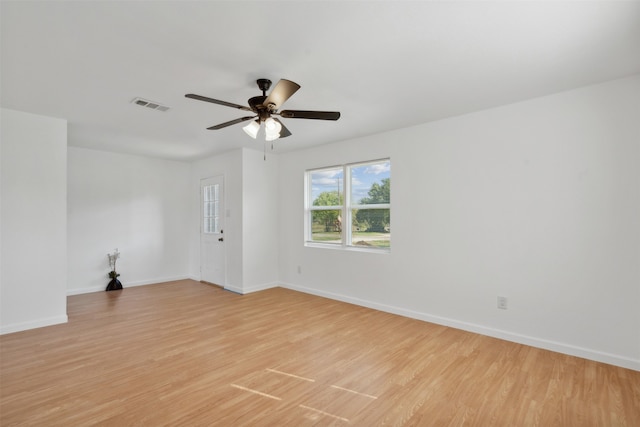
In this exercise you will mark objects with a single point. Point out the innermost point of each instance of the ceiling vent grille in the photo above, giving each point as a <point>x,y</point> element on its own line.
<point>149,104</point>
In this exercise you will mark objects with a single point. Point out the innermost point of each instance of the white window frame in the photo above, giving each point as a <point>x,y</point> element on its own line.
<point>346,209</point>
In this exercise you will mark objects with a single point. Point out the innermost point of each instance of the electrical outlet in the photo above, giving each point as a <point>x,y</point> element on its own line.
<point>299,270</point>
<point>502,303</point>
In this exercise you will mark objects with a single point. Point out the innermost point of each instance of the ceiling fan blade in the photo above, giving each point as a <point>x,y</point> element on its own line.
<point>283,91</point>
<point>284,132</point>
<point>231,122</point>
<point>217,101</point>
<point>316,115</point>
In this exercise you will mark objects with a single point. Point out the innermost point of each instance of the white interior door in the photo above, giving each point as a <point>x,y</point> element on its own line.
<point>212,247</point>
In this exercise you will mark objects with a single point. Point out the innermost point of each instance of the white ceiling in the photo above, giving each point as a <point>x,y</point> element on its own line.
<point>383,64</point>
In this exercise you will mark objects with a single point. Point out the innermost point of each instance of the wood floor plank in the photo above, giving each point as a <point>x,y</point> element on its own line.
<point>185,353</point>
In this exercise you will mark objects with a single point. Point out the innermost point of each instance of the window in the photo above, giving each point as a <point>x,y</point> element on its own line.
<point>210,204</point>
<point>349,206</point>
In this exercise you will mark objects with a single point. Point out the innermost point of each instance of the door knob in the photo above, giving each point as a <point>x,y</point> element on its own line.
<point>221,239</point>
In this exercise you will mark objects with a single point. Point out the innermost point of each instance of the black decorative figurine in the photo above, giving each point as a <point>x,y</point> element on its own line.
<point>114,284</point>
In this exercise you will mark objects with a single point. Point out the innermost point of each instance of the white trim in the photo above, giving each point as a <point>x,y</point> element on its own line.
<point>326,208</point>
<point>261,287</point>
<point>569,349</point>
<point>255,288</point>
<point>234,289</point>
<point>348,248</point>
<point>32,324</point>
<point>125,285</point>
<point>372,206</point>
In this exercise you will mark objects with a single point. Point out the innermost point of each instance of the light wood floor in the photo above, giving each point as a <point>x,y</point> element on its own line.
<point>184,353</point>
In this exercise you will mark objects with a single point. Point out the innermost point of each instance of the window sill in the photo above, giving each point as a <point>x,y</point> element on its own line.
<point>347,248</point>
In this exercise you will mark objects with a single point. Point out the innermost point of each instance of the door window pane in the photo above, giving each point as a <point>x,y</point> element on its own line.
<point>210,203</point>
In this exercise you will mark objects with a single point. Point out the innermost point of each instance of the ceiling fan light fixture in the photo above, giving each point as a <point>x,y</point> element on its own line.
<point>272,129</point>
<point>271,137</point>
<point>270,125</point>
<point>252,129</point>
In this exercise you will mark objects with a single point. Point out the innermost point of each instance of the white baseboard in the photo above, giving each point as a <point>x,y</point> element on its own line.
<point>101,288</point>
<point>32,324</point>
<point>234,289</point>
<point>250,289</point>
<point>559,347</point>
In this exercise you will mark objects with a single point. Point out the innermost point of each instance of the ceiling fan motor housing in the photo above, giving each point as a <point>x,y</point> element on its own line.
<point>256,102</point>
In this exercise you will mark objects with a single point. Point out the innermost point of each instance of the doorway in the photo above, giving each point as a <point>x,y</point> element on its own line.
<point>212,247</point>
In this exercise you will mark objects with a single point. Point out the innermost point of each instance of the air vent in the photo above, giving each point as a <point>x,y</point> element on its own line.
<point>149,104</point>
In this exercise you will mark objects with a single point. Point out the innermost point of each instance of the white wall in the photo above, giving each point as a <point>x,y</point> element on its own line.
<point>136,204</point>
<point>33,257</point>
<point>260,213</point>
<point>537,201</point>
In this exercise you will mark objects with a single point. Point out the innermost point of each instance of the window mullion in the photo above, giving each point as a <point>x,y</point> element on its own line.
<point>346,209</point>
<point>326,208</point>
<point>307,208</point>
<point>372,206</point>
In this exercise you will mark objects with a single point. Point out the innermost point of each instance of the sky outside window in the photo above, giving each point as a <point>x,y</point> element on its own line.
<point>363,178</point>
<point>326,181</point>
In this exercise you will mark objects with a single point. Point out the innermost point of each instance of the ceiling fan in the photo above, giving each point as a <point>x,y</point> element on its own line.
<point>264,107</point>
